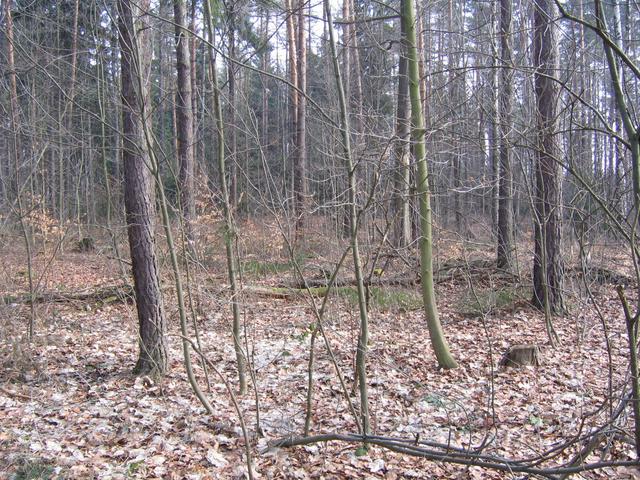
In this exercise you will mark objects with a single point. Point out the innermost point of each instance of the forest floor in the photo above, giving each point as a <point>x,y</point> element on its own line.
<point>70,407</point>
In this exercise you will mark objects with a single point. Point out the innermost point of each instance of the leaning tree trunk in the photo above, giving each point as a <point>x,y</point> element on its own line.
<point>632,130</point>
<point>438,340</point>
<point>138,186</point>
<point>548,270</point>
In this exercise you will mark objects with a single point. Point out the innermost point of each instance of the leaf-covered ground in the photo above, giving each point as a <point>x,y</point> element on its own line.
<point>70,407</point>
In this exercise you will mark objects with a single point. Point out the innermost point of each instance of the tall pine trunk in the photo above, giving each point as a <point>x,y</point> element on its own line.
<point>184,121</point>
<point>548,269</point>
<point>505,179</point>
<point>138,186</point>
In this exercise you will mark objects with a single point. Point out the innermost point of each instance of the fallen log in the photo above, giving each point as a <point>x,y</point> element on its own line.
<point>600,275</point>
<point>106,295</point>
<point>451,270</point>
<point>351,282</point>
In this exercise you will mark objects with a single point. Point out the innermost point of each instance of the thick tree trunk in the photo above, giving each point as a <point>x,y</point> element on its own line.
<point>548,269</point>
<point>138,186</point>
<point>438,340</point>
<point>505,181</point>
<point>184,117</point>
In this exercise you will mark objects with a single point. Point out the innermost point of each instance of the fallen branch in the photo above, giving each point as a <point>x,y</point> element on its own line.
<point>446,453</point>
<point>11,394</point>
<point>600,275</point>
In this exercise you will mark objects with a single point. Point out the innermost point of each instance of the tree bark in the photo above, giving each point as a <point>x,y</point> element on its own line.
<point>505,179</point>
<point>548,268</point>
<point>402,214</point>
<point>293,94</point>
<point>138,186</point>
<point>232,140</point>
<point>301,184</point>
<point>184,124</point>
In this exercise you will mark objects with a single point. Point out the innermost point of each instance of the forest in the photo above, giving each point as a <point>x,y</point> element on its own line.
<point>290,239</point>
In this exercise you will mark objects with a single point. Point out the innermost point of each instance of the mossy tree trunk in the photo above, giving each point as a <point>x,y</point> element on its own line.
<point>438,340</point>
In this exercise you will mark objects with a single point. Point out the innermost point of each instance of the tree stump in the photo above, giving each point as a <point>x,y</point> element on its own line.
<point>87,244</point>
<point>521,355</point>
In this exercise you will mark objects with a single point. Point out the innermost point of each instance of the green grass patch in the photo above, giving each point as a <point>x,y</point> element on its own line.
<point>264,268</point>
<point>487,300</point>
<point>33,469</point>
<point>386,299</point>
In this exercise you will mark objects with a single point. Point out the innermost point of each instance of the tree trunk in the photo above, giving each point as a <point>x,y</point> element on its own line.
<point>548,269</point>
<point>438,340</point>
<point>293,94</point>
<point>632,131</point>
<point>505,179</point>
<point>301,184</point>
<point>184,124</point>
<point>402,214</point>
<point>138,186</point>
<point>229,226</point>
<point>232,140</point>
<point>363,337</point>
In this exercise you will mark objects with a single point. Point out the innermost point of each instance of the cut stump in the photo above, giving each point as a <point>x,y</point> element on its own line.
<point>521,355</point>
